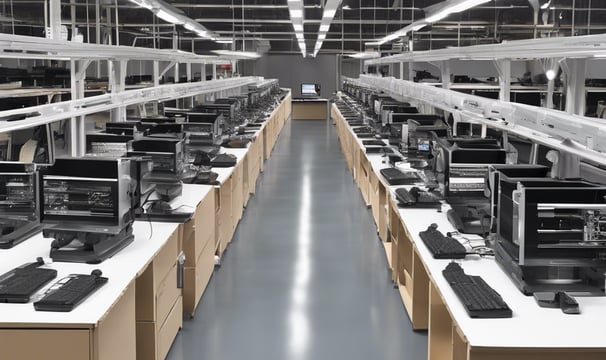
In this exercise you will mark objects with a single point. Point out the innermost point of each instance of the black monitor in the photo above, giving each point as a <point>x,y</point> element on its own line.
<point>308,89</point>
<point>86,206</point>
<point>166,154</point>
<point>19,203</point>
<point>465,166</point>
<point>111,145</point>
<point>551,235</point>
<point>422,131</point>
<point>122,127</point>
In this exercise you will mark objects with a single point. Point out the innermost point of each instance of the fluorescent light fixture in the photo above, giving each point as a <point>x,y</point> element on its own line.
<point>599,56</point>
<point>324,27</point>
<point>223,41</point>
<point>238,54</point>
<point>298,27</point>
<point>438,16</point>
<point>321,36</point>
<point>440,11</point>
<point>168,17</point>
<point>296,14</point>
<point>418,27</point>
<point>142,3</point>
<point>329,13</point>
<point>550,74</point>
<point>365,55</point>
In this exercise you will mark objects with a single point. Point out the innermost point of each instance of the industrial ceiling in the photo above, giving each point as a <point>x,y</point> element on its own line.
<point>266,26</point>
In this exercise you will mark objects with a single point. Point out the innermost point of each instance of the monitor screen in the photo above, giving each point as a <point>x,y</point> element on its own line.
<point>310,89</point>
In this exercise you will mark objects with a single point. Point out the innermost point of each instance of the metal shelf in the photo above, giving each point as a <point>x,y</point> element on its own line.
<point>48,113</point>
<point>589,46</point>
<point>30,47</point>
<point>577,135</point>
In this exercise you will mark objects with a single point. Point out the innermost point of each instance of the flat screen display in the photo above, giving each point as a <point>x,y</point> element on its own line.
<point>310,89</point>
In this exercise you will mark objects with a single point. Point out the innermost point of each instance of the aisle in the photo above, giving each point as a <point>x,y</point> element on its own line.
<point>305,276</point>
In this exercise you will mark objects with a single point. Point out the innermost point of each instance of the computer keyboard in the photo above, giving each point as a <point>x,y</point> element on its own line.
<point>478,298</point>
<point>224,160</point>
<point>440,246</point>
<point>397,177</point>
<point>425,197</point>
<point>19,284</point>
<point>68,292</point>
<point>373,143</point>
<point>405,198</point>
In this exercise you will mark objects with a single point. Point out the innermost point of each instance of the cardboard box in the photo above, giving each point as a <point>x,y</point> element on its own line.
<point>154,339</point>
<point>195,280</point>
<point>154,278</point>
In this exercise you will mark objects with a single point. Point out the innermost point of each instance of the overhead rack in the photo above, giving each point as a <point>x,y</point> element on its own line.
<point>578,135</point>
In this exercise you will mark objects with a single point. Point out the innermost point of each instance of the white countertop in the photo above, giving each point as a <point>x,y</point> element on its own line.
<point>531,326</point>
<point>121,270</point>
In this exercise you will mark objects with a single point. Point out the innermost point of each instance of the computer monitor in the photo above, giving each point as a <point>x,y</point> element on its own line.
<point>110,145</point>
<point>422,131</point>
<point>465,166</point>
<point>551,235</point>
<point>122,127</point>
<point>166,154</point>
<point>310,89</point>
<point>86,207</point>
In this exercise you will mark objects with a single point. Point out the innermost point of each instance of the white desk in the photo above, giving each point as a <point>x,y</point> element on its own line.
<point>532,332</point>
<point>105,320</point>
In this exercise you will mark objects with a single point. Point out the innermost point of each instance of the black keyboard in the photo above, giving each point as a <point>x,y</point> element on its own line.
<point>397,177</point>
<point>373,143</point>
<point>478,298</point>
<point>19,284</point>
<point>68,292</point>
<point>224,160</point>
<point>405,198</point>
<point>440,246</point>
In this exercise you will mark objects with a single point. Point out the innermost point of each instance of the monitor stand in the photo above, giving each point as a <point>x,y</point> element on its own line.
<point>12,232</point>
<point>87,247</point>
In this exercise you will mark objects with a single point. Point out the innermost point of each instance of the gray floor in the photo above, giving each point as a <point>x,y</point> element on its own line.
<point>305,276</point>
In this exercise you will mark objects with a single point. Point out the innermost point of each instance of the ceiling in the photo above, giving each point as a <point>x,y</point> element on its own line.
<point>265,24</point>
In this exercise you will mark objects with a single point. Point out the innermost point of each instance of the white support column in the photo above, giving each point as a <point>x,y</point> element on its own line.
<point>188,74</point>
<point>445,74</point>
<point>575,70</point>
<point>504,69</point>
<point>54,13</point>
<point>402,71</point>
<point>214,71</point>
<point>77,128</point>
<point>118,85</point>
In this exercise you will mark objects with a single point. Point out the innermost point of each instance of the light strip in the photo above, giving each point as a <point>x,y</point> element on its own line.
<point>365,55</point>
<point>330,10</point>
<point>442,10</point>
<point>296,11</point>
<point>142,3</point>
<point>172,15</point>
<point>168,17</point>
<point>238,54</point>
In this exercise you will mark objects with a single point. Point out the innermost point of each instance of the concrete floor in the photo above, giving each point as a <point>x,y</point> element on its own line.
<point>305,276</point>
